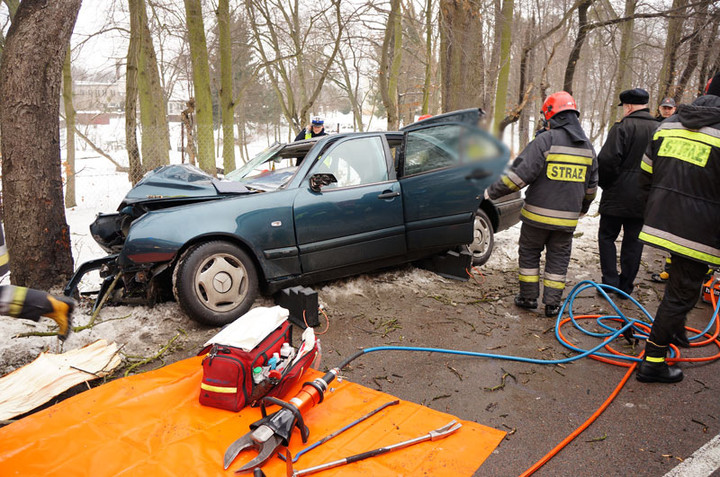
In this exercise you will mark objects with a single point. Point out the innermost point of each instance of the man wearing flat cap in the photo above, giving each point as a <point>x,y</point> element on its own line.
<point>623,200</point>
<point>666,109</point>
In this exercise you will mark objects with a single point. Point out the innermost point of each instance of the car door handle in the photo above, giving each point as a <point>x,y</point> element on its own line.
<point>389,195</point>
<point>478,174</point>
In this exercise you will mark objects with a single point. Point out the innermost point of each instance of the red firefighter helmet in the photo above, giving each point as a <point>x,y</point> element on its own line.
<point>557,102</point>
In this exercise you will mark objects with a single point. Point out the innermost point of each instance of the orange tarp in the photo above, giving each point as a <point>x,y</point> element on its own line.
<point>152,424</point>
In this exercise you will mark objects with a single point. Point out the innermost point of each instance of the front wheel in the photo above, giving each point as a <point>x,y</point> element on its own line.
<point>215,283</point>
<point>483,238</point>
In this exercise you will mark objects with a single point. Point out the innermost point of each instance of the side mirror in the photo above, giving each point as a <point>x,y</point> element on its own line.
<point>317,181</point>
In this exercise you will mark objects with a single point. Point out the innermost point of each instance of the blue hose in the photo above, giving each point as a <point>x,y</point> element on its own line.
<point>602,321</point>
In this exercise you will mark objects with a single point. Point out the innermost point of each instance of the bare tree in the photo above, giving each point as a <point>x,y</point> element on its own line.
<point>674,35</point>
<point>352,56</point>
<point>67,94</point>
<point>227,106</point>
<point>295,56</point>
<point>427,85</point>
<point>502,82</point>
<point>622,81</point>
<point>201,84</point>
<point>30,82</point>
<point>390,62</point>
<point>153,113</point>
<point>12,6</point>
<point>700,24</point>
<point>461,54</point>
<point>579,40</point>
<point>131,93</point>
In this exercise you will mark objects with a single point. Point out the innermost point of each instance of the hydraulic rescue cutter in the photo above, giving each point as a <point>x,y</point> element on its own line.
<point>273,431</point>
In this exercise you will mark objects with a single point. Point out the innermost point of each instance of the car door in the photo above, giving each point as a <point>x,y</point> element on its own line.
<point>445,167</point>
<point>357,219</point>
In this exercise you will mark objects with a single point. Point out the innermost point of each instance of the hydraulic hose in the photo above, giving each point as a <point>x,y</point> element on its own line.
<point>628,327</point>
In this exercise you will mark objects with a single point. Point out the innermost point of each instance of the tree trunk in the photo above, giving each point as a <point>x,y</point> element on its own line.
<point>461,54</point>
<point>579,40</point>
<point>227,106</point>
<point>390,64</point>
<point>188,126</point>
<point>201,83</point>
<point>427,85</point>
<point>674,34</point>
<point>153,115</point>
<point>70,200</point>
<point>504,74</point>
<point>37,233</point>
<point>526,72</point>
<point>695,42</point>
<point>131,93</point>
<point>624,60</point>
<point>708,52</point>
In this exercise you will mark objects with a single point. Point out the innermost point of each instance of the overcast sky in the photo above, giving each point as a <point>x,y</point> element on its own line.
<point>98,52</point>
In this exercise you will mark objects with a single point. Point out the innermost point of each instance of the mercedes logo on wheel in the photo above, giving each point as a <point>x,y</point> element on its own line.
<point>222,282</point>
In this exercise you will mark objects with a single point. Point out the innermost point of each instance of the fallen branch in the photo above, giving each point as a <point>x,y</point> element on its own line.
<point>105,297</point>
<point>118,166</point>
<point>156,356</point>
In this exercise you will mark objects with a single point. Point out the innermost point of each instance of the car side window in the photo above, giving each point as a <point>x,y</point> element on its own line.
<point>443,146</point>
<point>355,162</point>
<point>432,148</point>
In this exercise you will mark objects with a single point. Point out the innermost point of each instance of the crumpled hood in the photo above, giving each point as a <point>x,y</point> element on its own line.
<point>179,181</point>
<point>704,111</point>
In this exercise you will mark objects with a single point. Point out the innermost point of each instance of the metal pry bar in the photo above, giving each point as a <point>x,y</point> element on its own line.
<point>440,433</point>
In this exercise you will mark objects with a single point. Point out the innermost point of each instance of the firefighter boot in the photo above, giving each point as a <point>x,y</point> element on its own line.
<point>654,368</point>
<point>529,303</point>
<point>62,314</point>
<point>551,311</point>
<point>31,304</point>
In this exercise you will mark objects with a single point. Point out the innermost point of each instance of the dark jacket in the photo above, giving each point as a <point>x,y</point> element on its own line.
<point>560,169</point>
<point>682,166</point>
<point>619,162</point>
<point>305,135</point>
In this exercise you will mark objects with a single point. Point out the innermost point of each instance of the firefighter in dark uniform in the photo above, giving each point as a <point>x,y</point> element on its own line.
<point>682,216</point>
<point>316,128</point>
<point>560,169</point>
<point>623,200</point>
<point>31,304</point>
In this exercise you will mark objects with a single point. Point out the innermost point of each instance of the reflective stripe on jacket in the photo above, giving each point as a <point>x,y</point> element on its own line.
<point>561,176</point>
<point>683,167</point>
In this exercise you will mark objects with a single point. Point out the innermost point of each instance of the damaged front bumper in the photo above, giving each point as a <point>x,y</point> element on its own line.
<point>86,268</point>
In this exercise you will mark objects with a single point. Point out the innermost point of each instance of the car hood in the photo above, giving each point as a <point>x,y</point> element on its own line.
<point>180,181</point>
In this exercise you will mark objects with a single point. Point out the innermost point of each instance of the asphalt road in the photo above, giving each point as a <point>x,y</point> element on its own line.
<point>648,429</point>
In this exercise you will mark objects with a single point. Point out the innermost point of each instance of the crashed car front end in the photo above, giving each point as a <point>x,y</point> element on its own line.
<point>164,188</point>
<point>139,269</point>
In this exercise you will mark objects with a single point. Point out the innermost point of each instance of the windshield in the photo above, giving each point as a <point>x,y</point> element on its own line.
<point>273,168</point>
<point>255,165</point>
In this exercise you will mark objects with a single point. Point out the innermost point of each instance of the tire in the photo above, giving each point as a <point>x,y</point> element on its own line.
<point>215,283</point>
<point>483,238</point>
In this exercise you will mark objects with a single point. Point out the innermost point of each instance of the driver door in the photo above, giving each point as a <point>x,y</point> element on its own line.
<point>359,218</point>
<point>445,169</point>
